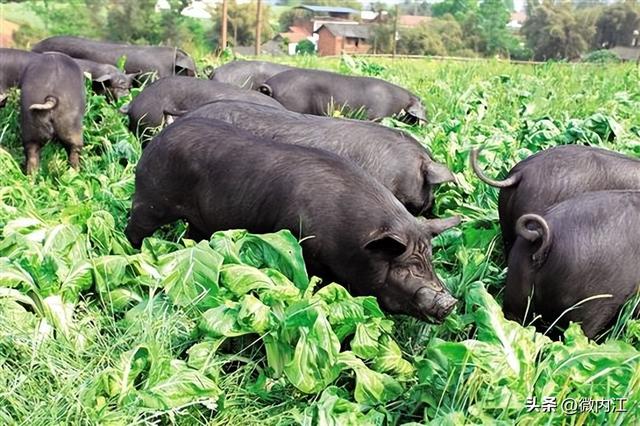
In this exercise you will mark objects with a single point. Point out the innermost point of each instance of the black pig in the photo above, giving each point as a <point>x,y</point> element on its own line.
<point>218,177</point>
<point>164,61</point>
<point>582,247</point>
<point>394,158</point>
<point>315,92</point>
<point>174,96</point>
<point>247,74</point>
<point>52,103</point>
<point>553,175</point>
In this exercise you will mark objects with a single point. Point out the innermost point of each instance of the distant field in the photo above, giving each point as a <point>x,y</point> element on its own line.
<point>111,335</point>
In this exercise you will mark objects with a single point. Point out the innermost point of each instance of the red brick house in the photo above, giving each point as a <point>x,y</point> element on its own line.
<point>335,39</point>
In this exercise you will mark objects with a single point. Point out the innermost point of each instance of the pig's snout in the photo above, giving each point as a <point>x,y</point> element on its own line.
<point>433,304</point>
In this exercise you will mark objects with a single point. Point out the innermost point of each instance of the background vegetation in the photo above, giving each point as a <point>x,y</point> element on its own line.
<point>553,30</point>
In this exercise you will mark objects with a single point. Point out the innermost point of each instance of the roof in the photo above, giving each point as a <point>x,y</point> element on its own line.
<point>350,30</point>
<point>627,53</point>
<point>295,34</point>
<point>327,9</point>
<point>271,47</point>
<point>412,20</point>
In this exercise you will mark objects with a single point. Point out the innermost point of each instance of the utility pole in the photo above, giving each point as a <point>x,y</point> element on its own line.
<point>223,36</point>
<point>395,31</point>
<point>258,27</point>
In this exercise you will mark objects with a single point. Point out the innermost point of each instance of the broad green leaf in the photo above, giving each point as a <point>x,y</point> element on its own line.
<point>279,251</point>
<point>334,409</point>
<point>253,315</point>
<point>100,227</point>
<point>202,357</point>
<point>182,386</point>
<point>78,279</point>
<point>365,341</point>
<point>227,243</point>
<point>60,314</point>
<point>109,272</point>
<point>12,275</point>
<point>222,321</point>
<point>371,387</point>
<point>60,239</point>
<point>389,359</point>
<point>315,360</point>
<point>191,275</point>
<point>241,279</point>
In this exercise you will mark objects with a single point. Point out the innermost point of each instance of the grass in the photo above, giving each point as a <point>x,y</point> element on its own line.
<point>474,368</point>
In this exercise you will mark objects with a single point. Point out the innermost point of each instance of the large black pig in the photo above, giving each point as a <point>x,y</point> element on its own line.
<point>553,175</point>
<point>316,92</point>
<point>52,104</point>
<point>247,74</point>
<point>218,177</point>
<point>165,61</point>
<point>392,157</point>
<point>12,64</point>
<point>583,247</point>
<point>174,96</point>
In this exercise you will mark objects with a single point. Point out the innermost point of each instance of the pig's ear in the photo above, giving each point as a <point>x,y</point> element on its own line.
<point>265,89</point>
<point>416,110</point>
<point>438,226</point>
<point>386,244</point>
<point>102,78</point>
<point>436,173</point>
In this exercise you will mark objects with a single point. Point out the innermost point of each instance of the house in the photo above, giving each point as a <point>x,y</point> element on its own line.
<point>312,18</point>
<point>627,53</point>
<point>294,36</point>
<point>334,39</point>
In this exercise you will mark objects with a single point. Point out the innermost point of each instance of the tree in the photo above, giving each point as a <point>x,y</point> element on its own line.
<point>458,8</point>
<point>242,24</point>
<point>552,32</point>
<point>493,17</point>
<point>437,37</point>
<point>616,25</point>
<point>305,47</point>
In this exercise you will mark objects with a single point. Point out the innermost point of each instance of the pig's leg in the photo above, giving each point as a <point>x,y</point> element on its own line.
<point>68,128</point>
<point>32,154</point>
<point>73,144</point>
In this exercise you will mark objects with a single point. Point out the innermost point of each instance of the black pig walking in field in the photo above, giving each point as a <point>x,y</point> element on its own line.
<point>584,247</point>
<point>391,156</point>
<point>52,104</point>
<point>354,230</point>
<point>554,175</point>
<point>314,92</point>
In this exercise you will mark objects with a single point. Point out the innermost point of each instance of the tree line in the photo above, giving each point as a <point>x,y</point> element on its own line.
<point>553,30</point>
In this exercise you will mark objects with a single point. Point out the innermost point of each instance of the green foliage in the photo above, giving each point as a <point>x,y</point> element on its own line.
<point>233,330</point>
<point>603,56</point>
<point>305,47</point>
<point>553,32</point>
<point>133,22</point>
<point>616,25</point>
